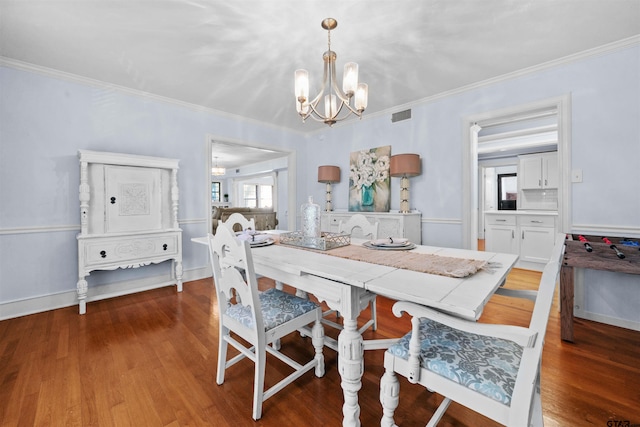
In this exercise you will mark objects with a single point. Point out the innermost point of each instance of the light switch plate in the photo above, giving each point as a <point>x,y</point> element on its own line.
<point>576,175</point>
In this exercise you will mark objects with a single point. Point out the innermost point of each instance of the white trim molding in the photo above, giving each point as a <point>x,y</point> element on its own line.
<point>449,221</point>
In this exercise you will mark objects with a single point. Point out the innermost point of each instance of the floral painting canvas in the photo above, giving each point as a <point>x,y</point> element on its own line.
<point>369,180</point>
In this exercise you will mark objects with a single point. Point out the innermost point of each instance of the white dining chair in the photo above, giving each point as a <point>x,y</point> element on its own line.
<point>366,229</point>
<point>261,318</point>
<point>492,369</point>
<point>237,218</point>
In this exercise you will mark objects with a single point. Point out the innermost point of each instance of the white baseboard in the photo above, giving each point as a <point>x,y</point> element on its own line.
<point>613,321</point>
<point>44,303</point>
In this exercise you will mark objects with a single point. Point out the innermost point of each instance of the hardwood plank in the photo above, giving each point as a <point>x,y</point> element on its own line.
<point>150,359</point>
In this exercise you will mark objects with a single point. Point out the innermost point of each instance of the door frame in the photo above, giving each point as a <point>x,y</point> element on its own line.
<point>291,175</point>
<point>470,186</point>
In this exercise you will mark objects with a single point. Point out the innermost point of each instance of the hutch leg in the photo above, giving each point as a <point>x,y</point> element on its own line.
<point>82,295</point>
<point>566,303</point>
<point>178,270</point>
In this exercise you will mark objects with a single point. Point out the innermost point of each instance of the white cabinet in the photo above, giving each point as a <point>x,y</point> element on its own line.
<point>537,235</point>
<point>128,215</point>
<point>529,235</point>
<point>500,235</point>
<point>538,171</point>
<point>390,224</point>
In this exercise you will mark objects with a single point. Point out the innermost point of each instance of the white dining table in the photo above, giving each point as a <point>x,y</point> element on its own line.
<point>344,283</point>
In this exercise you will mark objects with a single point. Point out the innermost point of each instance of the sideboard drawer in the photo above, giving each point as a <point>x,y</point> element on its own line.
<point>110,250</point>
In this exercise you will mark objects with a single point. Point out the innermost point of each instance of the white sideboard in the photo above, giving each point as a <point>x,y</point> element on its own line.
<point>390,224</point>
<point>128,215</point>
<point>529,234</point>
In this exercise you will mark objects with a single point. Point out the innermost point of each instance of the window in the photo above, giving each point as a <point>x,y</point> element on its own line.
<point>260,196</point>
<point>215,192</point>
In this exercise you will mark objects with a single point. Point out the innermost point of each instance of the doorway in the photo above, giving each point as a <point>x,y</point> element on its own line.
<point>505,119</point>
<point>243,154</point>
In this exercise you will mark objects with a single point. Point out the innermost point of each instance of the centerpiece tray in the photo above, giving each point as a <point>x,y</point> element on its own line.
<point>325,242</point>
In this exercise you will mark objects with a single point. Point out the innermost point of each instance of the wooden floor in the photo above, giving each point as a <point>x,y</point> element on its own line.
<point>148,359</point>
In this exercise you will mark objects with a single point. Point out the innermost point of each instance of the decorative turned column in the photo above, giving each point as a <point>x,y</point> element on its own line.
<point>175,196</point>
<point>351,368</point>
<point>389,397</point>
<point>85,196</point>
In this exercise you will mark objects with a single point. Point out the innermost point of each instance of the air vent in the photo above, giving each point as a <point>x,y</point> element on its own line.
<point>401,115</point>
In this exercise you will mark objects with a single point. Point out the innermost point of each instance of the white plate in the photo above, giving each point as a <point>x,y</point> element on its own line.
<point>404,247</point>
<point>388,243</point>
<point>267,242</point>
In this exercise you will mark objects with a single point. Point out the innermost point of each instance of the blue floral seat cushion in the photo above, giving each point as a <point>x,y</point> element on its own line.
<point>277,308</point>
<point>484,364</point>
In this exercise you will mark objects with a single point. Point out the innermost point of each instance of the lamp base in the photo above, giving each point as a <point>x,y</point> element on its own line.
<point>328,206</point>
<point>404,195</point>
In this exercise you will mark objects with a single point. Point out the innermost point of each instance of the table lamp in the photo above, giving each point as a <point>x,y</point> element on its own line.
<point>404,166</point>
<point>328,175</point>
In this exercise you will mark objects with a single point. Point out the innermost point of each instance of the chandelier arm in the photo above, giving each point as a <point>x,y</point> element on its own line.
<point>334,85</point>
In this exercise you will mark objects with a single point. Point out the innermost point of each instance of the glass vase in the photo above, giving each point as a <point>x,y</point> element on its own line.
<point>310,219</point>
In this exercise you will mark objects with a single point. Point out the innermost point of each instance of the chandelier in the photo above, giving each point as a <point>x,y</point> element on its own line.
<point>334,102</point>
<point>217,170</point>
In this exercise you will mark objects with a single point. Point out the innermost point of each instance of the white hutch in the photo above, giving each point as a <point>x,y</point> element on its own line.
<point>128,215</point>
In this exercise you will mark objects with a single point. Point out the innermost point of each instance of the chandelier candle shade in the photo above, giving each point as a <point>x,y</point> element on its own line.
<point>335,100</point>
<point>328,175</point>
<point>404,166</point>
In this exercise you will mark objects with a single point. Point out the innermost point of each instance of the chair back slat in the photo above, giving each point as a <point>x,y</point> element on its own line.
<point>239,222</point>
<point>228,255</point>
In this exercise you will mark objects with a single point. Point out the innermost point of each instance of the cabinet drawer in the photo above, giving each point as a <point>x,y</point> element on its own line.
<point>106,251</point>
<point>537,221</point>
<point>501,219</point>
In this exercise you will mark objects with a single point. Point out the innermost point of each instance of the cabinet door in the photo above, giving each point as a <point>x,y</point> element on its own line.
<point>550,171</point>
<point>133,199</point>
<point>536,243</point>
<point>501,238</point>
<point>530,172</point>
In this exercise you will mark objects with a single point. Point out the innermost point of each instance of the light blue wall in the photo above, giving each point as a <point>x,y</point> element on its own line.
<point>605,105</point>
<point>44,121</point>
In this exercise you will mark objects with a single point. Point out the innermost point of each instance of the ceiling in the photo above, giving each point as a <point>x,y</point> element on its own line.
<point>239,57</point>
<point>231,156</point>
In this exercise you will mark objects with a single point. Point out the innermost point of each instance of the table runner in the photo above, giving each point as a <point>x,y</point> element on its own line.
<point>408,260</point>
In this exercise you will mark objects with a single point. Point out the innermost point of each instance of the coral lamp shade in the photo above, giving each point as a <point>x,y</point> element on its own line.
<point>328,174</point>
<point>405,165</point>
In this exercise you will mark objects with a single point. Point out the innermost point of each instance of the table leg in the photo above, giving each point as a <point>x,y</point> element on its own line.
<point>351,368</point>
<point>566,303</point>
